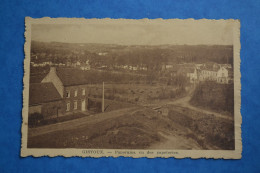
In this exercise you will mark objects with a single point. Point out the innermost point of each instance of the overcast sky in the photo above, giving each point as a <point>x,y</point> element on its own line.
<point>137,33</point>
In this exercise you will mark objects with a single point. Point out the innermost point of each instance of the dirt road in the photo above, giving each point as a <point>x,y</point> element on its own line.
<point>184,102</point>
<point>81,121</point>
<point>177,142</point>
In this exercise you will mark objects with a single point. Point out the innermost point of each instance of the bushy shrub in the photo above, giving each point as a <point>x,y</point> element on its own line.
<point>219,97</point>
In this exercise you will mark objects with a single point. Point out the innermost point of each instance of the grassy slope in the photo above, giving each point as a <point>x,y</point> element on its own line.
<point>208,130</point>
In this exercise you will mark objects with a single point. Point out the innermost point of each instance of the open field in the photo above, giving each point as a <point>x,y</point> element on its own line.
<point>95,105</point>
<point>137,93</point>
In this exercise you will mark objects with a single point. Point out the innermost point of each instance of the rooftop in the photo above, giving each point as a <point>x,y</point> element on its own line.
<point>42,92</point>
<point>72,76</point>
<point>210,67</point>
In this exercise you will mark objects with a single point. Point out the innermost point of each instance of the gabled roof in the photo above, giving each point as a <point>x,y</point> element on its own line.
<point>72,76</point>
<point>42,93</point>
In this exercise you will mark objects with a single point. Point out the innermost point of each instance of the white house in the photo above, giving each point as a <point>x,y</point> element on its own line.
<point>208,72</point>
<point>85,67</point>
<point>168,66</point>
<point>223,75</point>
<point>193,75</point>
<point>78,63</point>
<point>135,68</point>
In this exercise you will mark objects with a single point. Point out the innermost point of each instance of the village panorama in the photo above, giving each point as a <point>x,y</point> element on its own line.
<point>111,96</point>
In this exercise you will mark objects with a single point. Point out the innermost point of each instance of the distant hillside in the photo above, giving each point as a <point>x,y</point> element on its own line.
<point>218,97</point>
<point>132,54</point>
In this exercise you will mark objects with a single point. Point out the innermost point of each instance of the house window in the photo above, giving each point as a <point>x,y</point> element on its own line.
<point>68,106</point>
<point>83,92</point>
<point>75,105</point>
<point>67,94</point>
<point>76,93</point>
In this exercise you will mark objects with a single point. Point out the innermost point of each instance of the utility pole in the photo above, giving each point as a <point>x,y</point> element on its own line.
<point>103,99</point>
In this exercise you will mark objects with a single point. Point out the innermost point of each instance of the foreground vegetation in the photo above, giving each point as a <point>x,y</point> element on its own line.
<point>217,97</point>
<point>142,129</point>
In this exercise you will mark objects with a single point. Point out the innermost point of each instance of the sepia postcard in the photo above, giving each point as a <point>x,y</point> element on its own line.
<point>132,88</point>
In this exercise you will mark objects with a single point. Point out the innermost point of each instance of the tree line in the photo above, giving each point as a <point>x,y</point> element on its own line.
<point>130,55</point>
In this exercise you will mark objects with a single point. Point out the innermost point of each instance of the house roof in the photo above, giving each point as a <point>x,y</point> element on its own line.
<point>42,92</point>
<point>210,67</point>
<point>72,76</point>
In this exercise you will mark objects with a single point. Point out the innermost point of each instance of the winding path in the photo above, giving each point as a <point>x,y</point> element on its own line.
<point>184,102</point>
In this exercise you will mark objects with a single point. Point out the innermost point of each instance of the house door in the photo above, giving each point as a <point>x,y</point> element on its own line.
<point>83,105</point>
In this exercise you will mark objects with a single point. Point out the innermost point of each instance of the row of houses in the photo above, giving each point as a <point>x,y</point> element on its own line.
<point>219,73</point>
<point>48,63</point>
<point>130,67</point>
<point>82,66</point>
